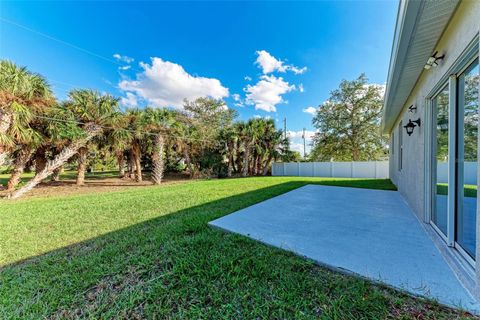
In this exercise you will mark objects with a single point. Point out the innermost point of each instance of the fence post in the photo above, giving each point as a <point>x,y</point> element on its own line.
<point>331,169</point>
<point>313,169</point>
<point>375,168</point>
<point>351,169</point>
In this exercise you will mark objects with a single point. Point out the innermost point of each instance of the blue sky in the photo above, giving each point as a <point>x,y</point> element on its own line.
<point>271,59</point>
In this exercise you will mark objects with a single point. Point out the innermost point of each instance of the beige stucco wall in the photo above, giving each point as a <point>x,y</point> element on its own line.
<point>462,29</point>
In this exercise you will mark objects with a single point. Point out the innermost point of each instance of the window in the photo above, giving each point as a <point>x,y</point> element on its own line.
<point>400,146</point>
<point>392,144</point>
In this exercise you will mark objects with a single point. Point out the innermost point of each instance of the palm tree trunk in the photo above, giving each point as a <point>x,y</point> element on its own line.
<point>267,165</point>
<point>82,166</point>
<point>158,159</point>
<point>21,160</point>
<point>230,162</point>
<point>56,173</point>
<point>121,164</point>
<point>188,160</point>
<point>137,157</point>
<point>40,158</point>
<point>131,165</point>
<point>92,131</point>
<point>246,155</point>
<point>3,156</point>
<point>259,165</point>
<point>5,122</point>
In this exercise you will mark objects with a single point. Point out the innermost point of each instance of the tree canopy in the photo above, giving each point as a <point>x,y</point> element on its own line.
<point>203,139</point>
<point>348,123</point>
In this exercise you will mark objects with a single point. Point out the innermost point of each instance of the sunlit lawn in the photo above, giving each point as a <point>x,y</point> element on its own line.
<point>148,252</point>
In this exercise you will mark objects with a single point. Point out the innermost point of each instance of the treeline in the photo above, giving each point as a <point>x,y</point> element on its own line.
<point>202,139</point>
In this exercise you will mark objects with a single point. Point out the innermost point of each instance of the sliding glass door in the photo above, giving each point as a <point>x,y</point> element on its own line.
<point>467,159</point>
<point>440,161</point>
<point>455,140</point>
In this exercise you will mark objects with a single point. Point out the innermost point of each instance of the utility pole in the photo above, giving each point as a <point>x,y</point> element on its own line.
<point>303,137</point>
<point>285,128</point>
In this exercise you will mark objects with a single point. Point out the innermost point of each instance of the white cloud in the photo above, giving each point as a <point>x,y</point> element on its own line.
<point>296,70</point>
<point>165,84</point>
<point>269,64</point>
<point>310,110</point>
<point>296,140</point>
<point>238,100</point>
<point>121,58</point>
<point>301,88</point>
<point>248,78</point>
<point>124,68</point>
<point>297,146</point>
<point>130,100</point>
<point>298,134</point>
<point>257,116</point>
<point>267,92</point>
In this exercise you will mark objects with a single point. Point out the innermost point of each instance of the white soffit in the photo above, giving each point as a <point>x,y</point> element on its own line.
<point>420,25</point>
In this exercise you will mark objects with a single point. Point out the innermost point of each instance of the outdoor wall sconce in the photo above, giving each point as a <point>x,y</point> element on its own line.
<point>411,108</point>
<point>432,61</point>
<point>411,125</point>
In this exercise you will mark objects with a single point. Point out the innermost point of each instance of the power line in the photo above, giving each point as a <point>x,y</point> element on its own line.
<point>60,41</point>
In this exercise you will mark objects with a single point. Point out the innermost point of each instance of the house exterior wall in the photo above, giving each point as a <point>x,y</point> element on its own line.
<point>410,180</point>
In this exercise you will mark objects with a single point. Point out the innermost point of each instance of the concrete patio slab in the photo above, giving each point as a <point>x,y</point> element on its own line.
<point>372,233</point>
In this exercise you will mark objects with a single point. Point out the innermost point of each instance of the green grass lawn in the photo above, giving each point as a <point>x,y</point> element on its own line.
<point>148,253</point>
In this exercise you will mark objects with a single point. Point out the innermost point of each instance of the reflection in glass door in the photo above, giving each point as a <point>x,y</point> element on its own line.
<point>440,161</point>
<point>467,159</point>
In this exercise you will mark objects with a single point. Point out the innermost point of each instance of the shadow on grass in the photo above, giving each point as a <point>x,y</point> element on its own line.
<point>177,266</point>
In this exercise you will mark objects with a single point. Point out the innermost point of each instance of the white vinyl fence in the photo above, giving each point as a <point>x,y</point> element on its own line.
<point>359,169</point>
<point>469,172</point>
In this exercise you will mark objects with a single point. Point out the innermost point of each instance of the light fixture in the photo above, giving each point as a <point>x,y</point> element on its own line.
<point>432,61</point>
<point>411,125</point>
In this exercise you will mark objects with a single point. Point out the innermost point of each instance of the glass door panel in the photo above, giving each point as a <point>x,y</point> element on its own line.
<point>440,161</point>
<point>467,163</point>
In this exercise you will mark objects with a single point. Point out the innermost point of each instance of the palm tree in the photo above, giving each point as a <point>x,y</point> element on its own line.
<point>119,139</point>
<point>22,93</point>
<point>229,136</point>
<point>186,133</point>
<point>244,135</point>
<point>158,122</point>
<point>135,127</point>
<point>82,165</point>
<point>271,141</point>
<point>29,140</point>
<point>257,131</point>
<point>84,115</point>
